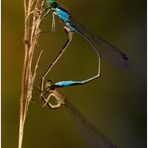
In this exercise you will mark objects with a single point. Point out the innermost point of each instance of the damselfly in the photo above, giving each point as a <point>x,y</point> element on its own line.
<point>105,50</point>
<point>91,134</point>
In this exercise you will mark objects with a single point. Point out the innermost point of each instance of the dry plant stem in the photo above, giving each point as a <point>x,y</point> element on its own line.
<point>33,17</point>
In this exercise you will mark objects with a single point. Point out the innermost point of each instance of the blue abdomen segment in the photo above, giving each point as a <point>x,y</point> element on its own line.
<point>67,83</point>
<point>64,15</point>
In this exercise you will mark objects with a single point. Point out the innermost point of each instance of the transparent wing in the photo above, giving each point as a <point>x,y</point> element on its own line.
<point>91,134</point>
<point>105,50</point>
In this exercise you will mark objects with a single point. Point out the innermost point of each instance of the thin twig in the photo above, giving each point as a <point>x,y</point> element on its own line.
<point>36,67</point>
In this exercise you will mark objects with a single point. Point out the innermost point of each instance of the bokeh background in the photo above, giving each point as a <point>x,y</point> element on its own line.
<point>115,103</point>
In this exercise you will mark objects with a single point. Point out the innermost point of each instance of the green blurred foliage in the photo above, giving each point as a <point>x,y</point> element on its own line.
<point>116,102</point>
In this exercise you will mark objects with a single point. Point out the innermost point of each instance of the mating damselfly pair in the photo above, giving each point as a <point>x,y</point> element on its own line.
<point>103,49</point>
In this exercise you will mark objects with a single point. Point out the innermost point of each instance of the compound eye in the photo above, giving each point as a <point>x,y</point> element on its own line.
<point>54,5</point>
<point>49,81</point>
<point>49,84</point>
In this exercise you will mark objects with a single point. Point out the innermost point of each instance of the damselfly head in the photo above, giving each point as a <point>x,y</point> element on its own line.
<point>49,85</point>
<point>51,1</point>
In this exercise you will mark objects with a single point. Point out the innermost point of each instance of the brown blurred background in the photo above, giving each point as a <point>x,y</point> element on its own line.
<point>115,103</point>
